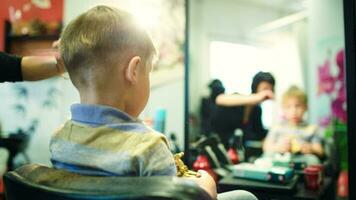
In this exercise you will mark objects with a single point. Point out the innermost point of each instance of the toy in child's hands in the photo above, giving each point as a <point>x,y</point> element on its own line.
<point>182,169</point>
<point>295,146</point>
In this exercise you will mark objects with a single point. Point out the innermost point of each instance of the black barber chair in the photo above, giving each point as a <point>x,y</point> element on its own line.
<point>212,147</point>
<point>43,183</point>
<point>17,143</point>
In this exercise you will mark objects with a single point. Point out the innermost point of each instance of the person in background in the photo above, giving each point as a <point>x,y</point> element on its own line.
<point>109,58</point>
<point>208,105</point>
<point>294,135</point>
<point>29,68</point>
<point>236,111</point>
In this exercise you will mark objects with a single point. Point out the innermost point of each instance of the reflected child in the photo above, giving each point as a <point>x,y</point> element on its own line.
<point>294,135</point>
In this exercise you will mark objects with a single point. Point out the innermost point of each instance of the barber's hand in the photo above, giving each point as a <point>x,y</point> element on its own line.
<point>55,44</point>
<point>60,64</point>
<point>263,95</point>
<point>266,94</point>
<point>206,182</point>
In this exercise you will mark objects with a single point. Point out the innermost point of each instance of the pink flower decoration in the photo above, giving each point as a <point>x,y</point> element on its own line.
<point>325,121</point>
<point>342,92</point>
<point>338,109</point>
<point>339,104</point>
<point>340,61</point>
<point>326,81</point>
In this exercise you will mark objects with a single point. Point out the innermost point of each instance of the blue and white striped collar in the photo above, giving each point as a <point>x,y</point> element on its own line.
<point>99,114</point>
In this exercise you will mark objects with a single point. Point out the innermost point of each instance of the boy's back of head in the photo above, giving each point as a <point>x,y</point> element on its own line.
<point>100,39</point>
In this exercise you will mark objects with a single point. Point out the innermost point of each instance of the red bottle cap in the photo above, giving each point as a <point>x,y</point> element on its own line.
<point>311,170</point>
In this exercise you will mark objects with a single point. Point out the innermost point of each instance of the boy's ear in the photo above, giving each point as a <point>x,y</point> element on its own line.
<point>131,71</point>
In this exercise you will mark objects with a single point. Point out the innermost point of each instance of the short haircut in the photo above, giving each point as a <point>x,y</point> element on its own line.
<point>262,77</point>
<point>295,92</point>
<point>101,36</point>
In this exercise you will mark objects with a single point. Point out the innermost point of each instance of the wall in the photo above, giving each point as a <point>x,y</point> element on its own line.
<point>169,96</point>
<point>50,117</point>
<point>55,13</point>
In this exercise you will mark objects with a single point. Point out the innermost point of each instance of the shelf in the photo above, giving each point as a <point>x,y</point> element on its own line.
<point>32,38</point>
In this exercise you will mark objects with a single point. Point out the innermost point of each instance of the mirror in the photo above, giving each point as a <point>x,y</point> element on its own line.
<point>299,42</point>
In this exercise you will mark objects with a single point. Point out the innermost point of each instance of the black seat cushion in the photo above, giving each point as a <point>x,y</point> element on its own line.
<point>40,182</point>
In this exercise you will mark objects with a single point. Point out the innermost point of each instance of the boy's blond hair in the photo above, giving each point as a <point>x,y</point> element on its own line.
<point>102,36</point>
<point>295,92</point>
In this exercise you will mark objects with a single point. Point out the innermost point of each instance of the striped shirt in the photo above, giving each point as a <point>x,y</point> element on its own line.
<point>302,133</point>
<point>102,140</point>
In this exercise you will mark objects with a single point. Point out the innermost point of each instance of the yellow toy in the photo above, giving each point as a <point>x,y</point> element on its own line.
<point>182,169</point>
<point>295,145</point>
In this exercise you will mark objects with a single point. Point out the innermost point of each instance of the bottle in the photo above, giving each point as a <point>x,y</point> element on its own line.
<point>159,121</point>
<point>343,184</point>
<point>202,163</point>
<point>173,143</point>
<point>238,144</point>
<point>233,156</point>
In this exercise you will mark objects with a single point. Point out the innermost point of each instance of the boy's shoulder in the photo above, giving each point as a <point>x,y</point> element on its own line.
<point>114,136</point>
<point>133,127</point>
<point>311,128</point>
<point>305,127</point>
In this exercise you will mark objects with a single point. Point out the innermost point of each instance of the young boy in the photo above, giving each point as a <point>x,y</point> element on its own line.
<point>295,135</point>
<point>109,59</point>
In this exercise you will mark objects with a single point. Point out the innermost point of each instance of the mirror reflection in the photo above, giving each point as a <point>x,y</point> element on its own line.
<point>267,87</point>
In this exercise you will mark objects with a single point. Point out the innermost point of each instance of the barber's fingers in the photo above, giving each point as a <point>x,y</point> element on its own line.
<point>264,95</point>
<point>60,64</point>
<point>55,44</point>
<point>269,94</point>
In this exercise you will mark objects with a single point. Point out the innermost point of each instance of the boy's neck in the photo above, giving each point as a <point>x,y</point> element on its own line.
<point>104,98</point>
